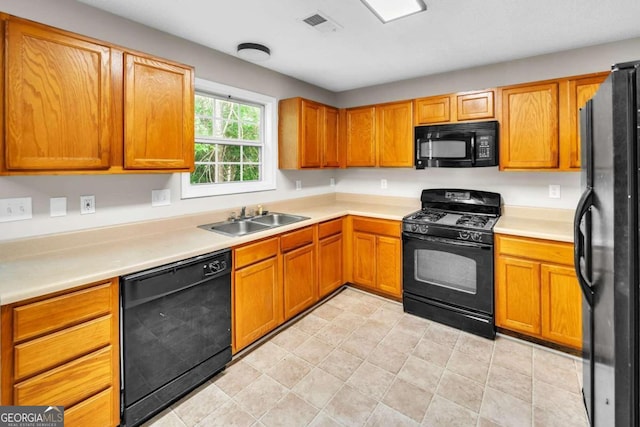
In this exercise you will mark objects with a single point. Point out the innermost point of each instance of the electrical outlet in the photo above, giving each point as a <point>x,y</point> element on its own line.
<point>298,184</point>
<point>15,209</point>
<point>332,182</point>
<point>554,191</point>
<point>161,197</point>
<point>87,205</point>
<point>383,183</point>
<point>57,206</point>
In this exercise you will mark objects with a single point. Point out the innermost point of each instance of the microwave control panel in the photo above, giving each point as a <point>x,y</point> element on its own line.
<point>483,147</point>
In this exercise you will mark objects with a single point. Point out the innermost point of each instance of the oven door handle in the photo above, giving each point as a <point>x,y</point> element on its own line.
<point>448,241</point>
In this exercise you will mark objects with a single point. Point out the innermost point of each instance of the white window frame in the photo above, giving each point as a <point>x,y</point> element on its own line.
<point>269,150</point>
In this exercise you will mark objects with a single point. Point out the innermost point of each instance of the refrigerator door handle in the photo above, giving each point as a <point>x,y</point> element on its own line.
<point>580,241</point>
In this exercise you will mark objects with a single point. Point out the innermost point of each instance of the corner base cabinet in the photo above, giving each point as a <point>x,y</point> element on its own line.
<point>537,292</point>
<point>63,350</point>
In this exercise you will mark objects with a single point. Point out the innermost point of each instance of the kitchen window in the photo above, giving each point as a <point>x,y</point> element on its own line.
<point>234,142</point>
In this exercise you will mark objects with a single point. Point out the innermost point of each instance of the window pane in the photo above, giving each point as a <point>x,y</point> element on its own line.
<point>227,110</point>
<point>205,152</point>
<point>204,126</point>
<point>229,173</point>
<point>249,113</point>
<point>251,173</point>
<point>251,154</point>
<point>204,106</point>
<point>229,153</point>
<point>250,132</point>
<point>203,174</point>
<point>226,129</point>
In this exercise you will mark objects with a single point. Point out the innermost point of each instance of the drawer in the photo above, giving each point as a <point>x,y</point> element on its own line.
<point>55,349</point>
<point>97,410</point>
<point>329,228</point>
<point>297,238</point>
<point>540,250</point>
<point>68,384</point>
<point>60,312</point>
<point>377,226</point>
<point>250,254</point>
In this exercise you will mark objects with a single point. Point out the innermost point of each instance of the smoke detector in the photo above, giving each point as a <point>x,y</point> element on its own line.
<point>321,22</point>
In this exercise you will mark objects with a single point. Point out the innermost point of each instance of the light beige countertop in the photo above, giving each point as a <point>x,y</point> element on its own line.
<point>37,266</point>
<point>539,223</point>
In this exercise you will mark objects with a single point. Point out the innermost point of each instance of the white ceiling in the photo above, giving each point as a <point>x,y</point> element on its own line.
<point>450,35</point>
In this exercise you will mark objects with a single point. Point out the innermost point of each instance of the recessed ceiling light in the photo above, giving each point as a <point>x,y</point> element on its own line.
<point>253,52</point>
<point>389,10</point>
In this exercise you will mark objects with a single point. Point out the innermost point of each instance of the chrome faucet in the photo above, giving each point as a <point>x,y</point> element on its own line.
<point>243,212</point>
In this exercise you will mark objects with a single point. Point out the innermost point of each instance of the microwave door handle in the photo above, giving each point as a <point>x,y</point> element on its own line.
<point>473,149</point>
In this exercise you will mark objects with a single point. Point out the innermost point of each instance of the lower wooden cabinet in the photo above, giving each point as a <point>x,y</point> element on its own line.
<point>537,292</point>
<point>377,255</point>
<point>299,271</point>
<point>257,292</point>
<point>330,254</point>
<point>63,350</point>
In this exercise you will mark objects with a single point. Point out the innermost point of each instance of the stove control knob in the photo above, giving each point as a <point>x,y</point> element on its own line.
<point>424,228</point>
<point>464,235</point>
<point>476,236</point>
<point>414,227</point>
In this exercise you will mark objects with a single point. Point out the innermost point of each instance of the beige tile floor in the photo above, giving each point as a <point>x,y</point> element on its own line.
<point>358,360</point>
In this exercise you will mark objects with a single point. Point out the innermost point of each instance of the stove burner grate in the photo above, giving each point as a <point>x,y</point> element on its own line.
<point>430,215</point>
<point>472,221</point>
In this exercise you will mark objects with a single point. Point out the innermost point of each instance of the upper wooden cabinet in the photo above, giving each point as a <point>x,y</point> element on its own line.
<point>394,134</point>
<point>529,136</point>
<point>463,106</point>
<point>540,123</point>
<point>380,135</point>
<point>78,105</point>
<point>57,100</point>
<point>158,114</point>
<point>360,139</point>
<point>307,134</point>
<point>579,91</point>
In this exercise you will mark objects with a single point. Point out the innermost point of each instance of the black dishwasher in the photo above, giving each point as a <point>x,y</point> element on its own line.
<point>175,331</point>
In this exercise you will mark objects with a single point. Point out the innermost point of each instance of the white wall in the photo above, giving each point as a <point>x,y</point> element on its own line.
<point>127,198</point>
<point>516,188</point>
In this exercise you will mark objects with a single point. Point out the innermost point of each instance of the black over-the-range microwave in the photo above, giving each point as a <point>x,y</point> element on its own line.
<point>458,145</point>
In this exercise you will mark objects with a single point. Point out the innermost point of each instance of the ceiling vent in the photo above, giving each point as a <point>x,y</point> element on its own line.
<point>321,22</point>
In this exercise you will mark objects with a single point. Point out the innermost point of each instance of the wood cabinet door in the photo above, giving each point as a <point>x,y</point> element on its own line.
<point>329,264</point>
<point>158,115</point>
<point>395,134</point>
<point>475,105</point>
<point>364,259</point>
<point>529,128</point>
<point>299,280</point>
<point>330,143</point>
<point>311,138</point>
<point>389,265</point>
<point>434,109</point>
<point>58,89</point>
<point>518,295</point>
<point>561,305</point>
<point>360,134</point>
<point>257,301</point>
<point>579,92</point>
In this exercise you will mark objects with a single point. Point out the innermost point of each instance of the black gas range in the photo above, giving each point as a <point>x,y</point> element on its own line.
<point>448,272</point>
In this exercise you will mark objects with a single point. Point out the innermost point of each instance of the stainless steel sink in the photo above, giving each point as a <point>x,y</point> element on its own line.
<point>235,228</point>
<point>277,219</point>
<point>240,227</point>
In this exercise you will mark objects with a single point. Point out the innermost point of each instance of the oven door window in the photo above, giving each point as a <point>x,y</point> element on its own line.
<point>449,149</point>
<point>446,269</point>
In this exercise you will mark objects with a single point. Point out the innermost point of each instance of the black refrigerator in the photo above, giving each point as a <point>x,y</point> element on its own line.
<point>606,248</point>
